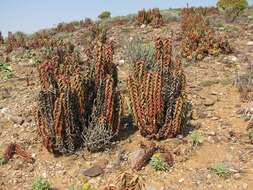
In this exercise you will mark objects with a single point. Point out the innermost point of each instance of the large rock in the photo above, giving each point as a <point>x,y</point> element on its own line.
<point>94,171</point>
<point>135,156</point>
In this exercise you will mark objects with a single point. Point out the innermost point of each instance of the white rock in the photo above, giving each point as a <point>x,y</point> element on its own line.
<point>233,58</point>
<point>181,180</point>
<point>122,61</point>
<point>237,176</point>
<point>250,43</point>
<point>209,176</point>
<point>143,26</point>
<point>245,186</point>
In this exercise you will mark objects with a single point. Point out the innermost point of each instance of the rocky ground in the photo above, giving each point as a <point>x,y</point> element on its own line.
<point>215,99</point>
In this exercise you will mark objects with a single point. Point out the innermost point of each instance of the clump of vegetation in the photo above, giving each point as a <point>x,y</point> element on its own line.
<point>196,139</point>
<point>2,161</point>
<point>244,83</point>
<point>79,103</point>
<point>128,180</point>
<point>104,15</point>
<point>151,16</point>
<point>5,70</point>
<point>232,8</point>
<point>15,41</point>
<point>157,94</point>
<point>85,186</point>
<point>221,170</point>
<point>137,50</point>
<point>251,134</point>
<point>29,54</point>
<point>41,184</point>
<point>158,163</point>
<point>86,23</point>
<point>199,39</point>
<point>65,27</point>
<point>1,38</point>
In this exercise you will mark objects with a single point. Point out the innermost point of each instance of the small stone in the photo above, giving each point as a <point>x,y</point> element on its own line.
<point>211,133</point>
<point>250,43</point>
<point>209,102</point>
<point>233,58</point>
<point>219,186</point>
<point>210,139</point>
<point>245,186</point>
<point>209,176</point>
<point>237,176</point>
<point>93,171</point>
<point>180,136</point>
<point>44,174</point>
<point>135,156</point>
<point>122,61</point>
<point>181,180</point>
<point>143,26</point>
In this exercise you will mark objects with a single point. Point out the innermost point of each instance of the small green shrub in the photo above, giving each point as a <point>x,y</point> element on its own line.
<point>196,139</point>
<point>6,69</point>
<point>232,8</point>
<point>104,15</point>
<point>137,50</point>
<point>2,161</point>
<point>28,54</point>
<point>221,170</point>
<point>41,184</point>
<point>251,135</point>
<point>235,4</point>
<point>158,163</point>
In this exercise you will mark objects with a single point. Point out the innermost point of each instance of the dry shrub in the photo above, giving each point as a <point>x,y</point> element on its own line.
<point>1,38</point>
<point>79,104</point>
<point>62,27</point>
<point>199,39</point>
<point>14,148</point>
<point>86,23</point>
<point>244,84</point>
<point>151,16</point>
<point>157,95</point>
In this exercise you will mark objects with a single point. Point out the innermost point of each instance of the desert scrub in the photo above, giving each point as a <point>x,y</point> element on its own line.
<point>157,95</point>
<point>232,8</point>
<point>244,83</point>
<point>199,38</point>
<point>28,54</point>
<point>2,161</point>
<point>157,163</point>
<point>41,184</point>
<point>104,15</point>
<point>137,50</point>
<point>5,70</point>
<point>196,138</point>
<point>251,135</point>
<point>221,170</point>
<point>79,104</point>
<point>151,16</point>
<point>85,186</point>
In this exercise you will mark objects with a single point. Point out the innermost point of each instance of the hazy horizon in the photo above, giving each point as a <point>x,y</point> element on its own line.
<point>30,16</point>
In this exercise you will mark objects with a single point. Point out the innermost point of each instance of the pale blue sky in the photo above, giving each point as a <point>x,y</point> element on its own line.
<point>31,15</point>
